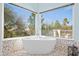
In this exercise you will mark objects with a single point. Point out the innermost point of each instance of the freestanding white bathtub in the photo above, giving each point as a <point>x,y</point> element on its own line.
<point>39,44</point>
<point>31,44</point>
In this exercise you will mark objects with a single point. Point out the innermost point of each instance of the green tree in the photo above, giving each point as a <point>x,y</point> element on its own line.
<point>20,27</point>
<point>57,25</point>
<point>9,19</point>
<point>65,24</point>
<point>31,21</point>
<point>42,22</point>
<point>51,26</point>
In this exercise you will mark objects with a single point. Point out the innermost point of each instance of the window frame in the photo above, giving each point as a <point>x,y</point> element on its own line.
<point>11,38</point>
<point>37,28</point>
<point>72,4</point>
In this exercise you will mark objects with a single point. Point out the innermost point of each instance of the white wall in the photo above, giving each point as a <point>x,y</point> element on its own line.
<point>0,26</point>
<point>76,22</point>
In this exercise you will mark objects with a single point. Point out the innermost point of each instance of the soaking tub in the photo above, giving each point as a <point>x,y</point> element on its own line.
<point>34,45</point>
<point>39,44</point>
<point>30,45</point>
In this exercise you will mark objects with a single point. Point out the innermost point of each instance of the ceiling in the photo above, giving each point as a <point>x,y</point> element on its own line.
<point>40,7</point>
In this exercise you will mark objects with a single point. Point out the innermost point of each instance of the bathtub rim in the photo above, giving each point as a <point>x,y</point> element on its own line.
<point>31,38</point>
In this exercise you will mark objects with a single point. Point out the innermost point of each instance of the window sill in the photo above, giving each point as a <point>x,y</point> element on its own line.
<point>35,37</point>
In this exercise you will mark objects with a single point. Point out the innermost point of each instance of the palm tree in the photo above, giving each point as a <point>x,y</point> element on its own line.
<point>65,24</point>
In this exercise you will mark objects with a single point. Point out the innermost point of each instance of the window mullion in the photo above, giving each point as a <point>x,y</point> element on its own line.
<point>38,24</point>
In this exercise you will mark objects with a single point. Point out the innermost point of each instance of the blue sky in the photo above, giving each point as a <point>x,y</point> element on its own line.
<point>51,16</point>
<point>24,14</point>
<point>58,14</point>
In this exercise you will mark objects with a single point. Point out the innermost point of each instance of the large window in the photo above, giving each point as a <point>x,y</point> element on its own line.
<point>58,22</point>
<point>18,22</point>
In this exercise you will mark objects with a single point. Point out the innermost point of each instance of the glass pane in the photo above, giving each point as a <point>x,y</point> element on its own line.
<point>58,23</point>
<point>18,22</point>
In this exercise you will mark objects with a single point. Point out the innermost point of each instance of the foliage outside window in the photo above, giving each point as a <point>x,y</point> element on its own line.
<point>59,19</point>
<point>18,22</point>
